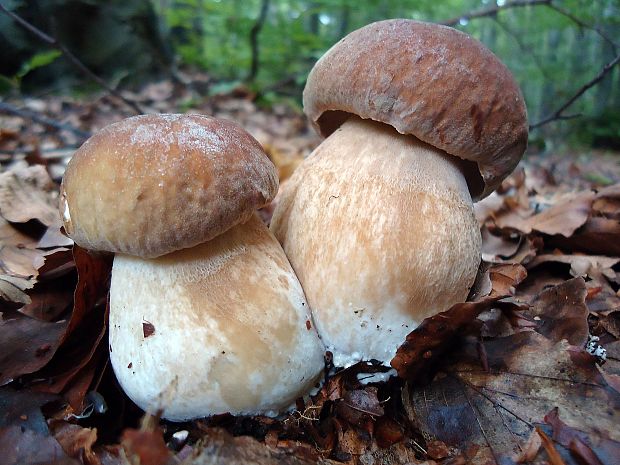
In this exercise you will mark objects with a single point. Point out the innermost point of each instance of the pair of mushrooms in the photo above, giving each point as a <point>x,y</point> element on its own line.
<point>206,313</point>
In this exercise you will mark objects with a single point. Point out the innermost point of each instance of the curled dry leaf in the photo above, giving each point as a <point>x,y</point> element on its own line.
<point>428,342</point>
<point>145,447</point>
<point>580,265</point>
<point>76,441</point>
<point>563,218</point>
<point>563,313</point>
<point>28,193</point>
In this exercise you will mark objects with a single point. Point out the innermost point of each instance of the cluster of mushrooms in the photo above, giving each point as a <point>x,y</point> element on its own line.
<point>213,312</point>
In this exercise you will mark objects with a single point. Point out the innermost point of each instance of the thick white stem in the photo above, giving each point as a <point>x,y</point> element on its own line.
<point>380,229</point>
<point>220,327</point>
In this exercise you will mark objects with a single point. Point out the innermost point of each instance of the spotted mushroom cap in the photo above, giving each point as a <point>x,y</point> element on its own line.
<point>431,81</point>
<point>153,184</point>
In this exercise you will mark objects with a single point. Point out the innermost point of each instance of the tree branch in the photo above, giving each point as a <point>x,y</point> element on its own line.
<point>26,114</point>
<point>584,25</point>
<point>256,28</point>
<point>558,114</point>
<point>69,56</point>
<point>493,10</point>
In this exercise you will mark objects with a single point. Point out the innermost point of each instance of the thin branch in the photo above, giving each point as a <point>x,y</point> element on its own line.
<point>493,10</point>
<point>585,25</point>
<point>68,55</point>
<point>256,28</point>
<point>30,115</point>
<point>522,46</point>
<point>558,114</point>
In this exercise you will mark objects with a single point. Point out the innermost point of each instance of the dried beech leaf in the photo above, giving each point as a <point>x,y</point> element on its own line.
<point>220,448</point>
<point>144,447</point>
<point>23,408</point>
<point>598,236</point>
<point>77,442</point>
<point>19,447</point>
<point>562,218</point>
<point>26,345</point>
<point>563,312</point>
<point>528,376</point>
<point>580,265</point>
<point>27,193</point>
<point>12,289</point>
<point>10,236</point>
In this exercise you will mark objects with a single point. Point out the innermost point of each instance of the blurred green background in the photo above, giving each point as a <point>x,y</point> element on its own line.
<point>270,45</point>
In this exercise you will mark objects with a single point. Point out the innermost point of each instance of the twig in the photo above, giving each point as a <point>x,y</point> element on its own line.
<point>69,55</point>
<point>491,11</point>
<point>584,25</point>
<point>256,28</point>
<point>27,114</point>
<point>522,46</point>
<point>558,114</point>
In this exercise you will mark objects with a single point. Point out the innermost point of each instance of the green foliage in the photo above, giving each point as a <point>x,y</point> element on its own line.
<point>38,60</point>
<point>602,131</point>
<point>550,53</point>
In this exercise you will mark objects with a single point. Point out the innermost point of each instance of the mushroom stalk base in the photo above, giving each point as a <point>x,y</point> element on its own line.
<point>220,327</point>
<point>380,230</point>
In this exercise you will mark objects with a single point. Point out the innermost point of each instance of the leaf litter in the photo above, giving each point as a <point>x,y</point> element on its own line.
<point>501,378</point>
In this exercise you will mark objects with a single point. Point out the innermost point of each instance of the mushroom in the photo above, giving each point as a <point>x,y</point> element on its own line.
<point>206,313</point>
<point>378,221</point>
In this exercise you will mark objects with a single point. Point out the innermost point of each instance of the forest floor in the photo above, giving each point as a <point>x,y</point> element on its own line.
<point>503,378</point>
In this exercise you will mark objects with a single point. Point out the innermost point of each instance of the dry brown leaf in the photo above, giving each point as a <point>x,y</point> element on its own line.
<point>530,449</point>
<point>562,218</point>
<point>19,447</point>
<point>580,265</point>
<point>12,289</point>
<point>77,442</point>
<point>28,193</point>
<point>26,345</point>
<point>562,312</point>
<point>145,447</point>
<point>495,410</point>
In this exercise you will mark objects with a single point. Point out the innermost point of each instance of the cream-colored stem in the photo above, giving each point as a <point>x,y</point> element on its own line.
<point>220,327</point>
<point>380,229</point>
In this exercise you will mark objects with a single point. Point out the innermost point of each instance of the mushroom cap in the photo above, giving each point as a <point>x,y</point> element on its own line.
<point>431,81</point>
<point>153,184</point>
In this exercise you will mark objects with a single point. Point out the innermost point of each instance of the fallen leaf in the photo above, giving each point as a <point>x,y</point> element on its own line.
<point>145,447</point>
<point>562,312</point>
<point>28,193</point>
<point>76,441</point>
<point>496,409</point>
<point>563,218</point>
<point>26,345</point>
<point>18,447</point>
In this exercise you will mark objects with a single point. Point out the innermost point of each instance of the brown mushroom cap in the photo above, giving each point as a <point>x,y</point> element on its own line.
<point>153,184</point>
<point>430,81</point>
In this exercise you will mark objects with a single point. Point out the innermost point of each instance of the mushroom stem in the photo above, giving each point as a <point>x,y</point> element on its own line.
<point>380,230</point>
<point>220,327</point>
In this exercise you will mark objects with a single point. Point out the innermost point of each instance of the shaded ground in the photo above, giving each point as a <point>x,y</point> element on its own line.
<point>505,377</point>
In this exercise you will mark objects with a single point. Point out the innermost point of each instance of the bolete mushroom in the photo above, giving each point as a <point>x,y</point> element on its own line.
<point>378,221</point>
<point>206,314</point>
